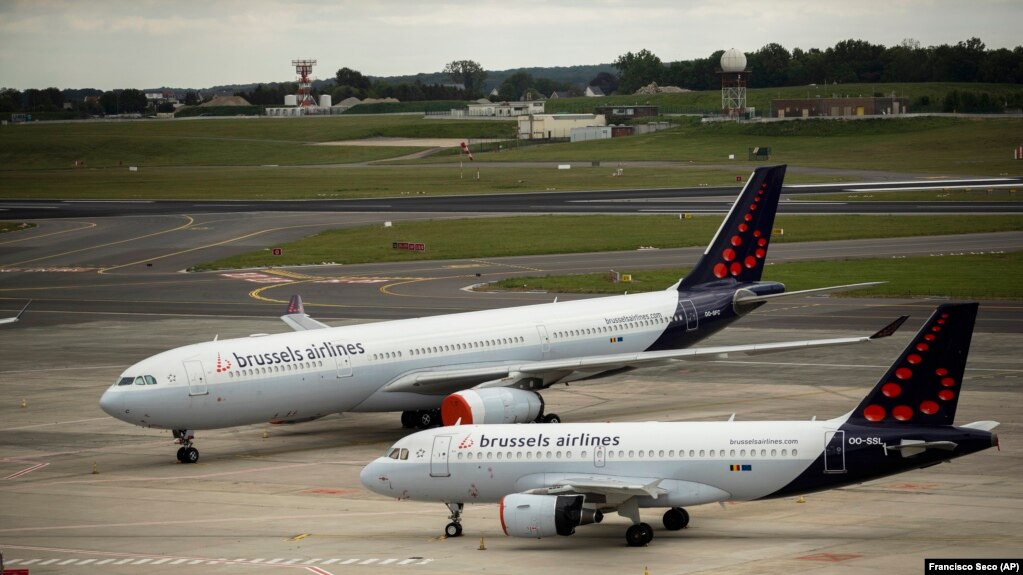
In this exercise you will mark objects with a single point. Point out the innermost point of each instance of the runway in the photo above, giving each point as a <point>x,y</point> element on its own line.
<point>662,200</point>
<point>83,493</point>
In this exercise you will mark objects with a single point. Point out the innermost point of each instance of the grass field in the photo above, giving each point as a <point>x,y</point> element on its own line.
<point>220,142</point>
<point>227,158</point>
<point>906,277</point>
<point>531,235</point>
<point>937,146</point>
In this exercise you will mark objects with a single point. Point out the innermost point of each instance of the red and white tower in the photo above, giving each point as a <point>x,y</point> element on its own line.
<point>304,68</point>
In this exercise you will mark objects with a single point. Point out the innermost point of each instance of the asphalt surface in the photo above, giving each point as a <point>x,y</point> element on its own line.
<point>83,493</point>
<point>670,200</point>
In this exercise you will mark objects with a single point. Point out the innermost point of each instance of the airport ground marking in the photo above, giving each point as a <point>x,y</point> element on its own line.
<point>118,242</point>
<point>88,225</point>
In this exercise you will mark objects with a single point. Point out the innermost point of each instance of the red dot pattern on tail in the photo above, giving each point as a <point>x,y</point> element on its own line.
<point>904,373</point>
<point>728,265</point>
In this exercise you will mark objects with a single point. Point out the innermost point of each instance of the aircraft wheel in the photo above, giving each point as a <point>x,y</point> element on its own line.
<point>191,455</point>
<point>552,418</point>
<point>676,518</point>
<point>639,535</point>
<point>181,454</point>
<point>427,418</point>
<point>453,529</point>
<point>408,419</point>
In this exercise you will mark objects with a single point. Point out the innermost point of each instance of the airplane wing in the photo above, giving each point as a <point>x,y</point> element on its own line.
<point>296,317</point>
<point>552,371</point>
<point>16,317</point>
<point>745,296</point>
<point>607,491</point>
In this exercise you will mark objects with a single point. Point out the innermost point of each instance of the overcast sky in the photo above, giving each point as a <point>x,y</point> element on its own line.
<point>192,44</point>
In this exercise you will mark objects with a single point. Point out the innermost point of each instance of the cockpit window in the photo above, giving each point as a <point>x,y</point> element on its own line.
<point>150,380</point>
<point>396,453</point>
<point>125,381</point>
<point>140,380</point>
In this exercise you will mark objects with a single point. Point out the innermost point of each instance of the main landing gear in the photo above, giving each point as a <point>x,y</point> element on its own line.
<point>454,529</point>
<point>640,534</point>
<point>186,453</point>
<point>675,519</point>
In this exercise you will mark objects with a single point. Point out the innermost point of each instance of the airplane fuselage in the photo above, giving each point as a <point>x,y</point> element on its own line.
<point>297,376</point>
<point>692,462</point>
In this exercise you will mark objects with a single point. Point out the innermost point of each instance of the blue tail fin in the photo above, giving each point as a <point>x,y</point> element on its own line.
<point>739,248</point>
<point>923,386</point>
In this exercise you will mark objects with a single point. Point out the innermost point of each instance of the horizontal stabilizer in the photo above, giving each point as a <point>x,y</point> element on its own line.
<point>986,425</point>
<point>911,447</point>
<point>745,296</point>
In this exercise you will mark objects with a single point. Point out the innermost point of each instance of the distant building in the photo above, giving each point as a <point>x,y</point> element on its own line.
<point>619,113</point>
<point>838,107</point>
<point>561,94</point>
<point>555,126</point>
<point>594,92</point>
<point>486,108</point>
<point>161,97</point>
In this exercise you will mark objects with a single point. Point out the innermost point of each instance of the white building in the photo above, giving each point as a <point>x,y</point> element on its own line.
<point>547,126</point>
<point>505,109</point>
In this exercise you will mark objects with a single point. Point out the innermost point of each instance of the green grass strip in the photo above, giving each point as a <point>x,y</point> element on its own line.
<point>967,276</point>
<point>534,235</point>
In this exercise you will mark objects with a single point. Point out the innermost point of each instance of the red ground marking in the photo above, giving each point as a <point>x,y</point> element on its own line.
<point>326,491</point>
<point>913,485</point>
<point>830,557</point>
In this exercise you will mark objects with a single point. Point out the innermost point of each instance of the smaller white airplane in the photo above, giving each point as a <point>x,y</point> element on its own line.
<point>550,479</point>
<point>16,317</point>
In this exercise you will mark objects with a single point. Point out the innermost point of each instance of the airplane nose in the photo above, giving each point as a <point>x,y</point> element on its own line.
<point>112,402</point>
<point>373,478</point>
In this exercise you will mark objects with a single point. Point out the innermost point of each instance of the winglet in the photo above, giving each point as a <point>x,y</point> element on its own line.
<point>16,317</point>
<point>890,328</point>
<point>296,317</point>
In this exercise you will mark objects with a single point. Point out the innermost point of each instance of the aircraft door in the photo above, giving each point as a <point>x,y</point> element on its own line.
<point>439,456</point>
<point>196,378</point>
<point>545,340</point>
<point>344,361</point>
<point>834,451</point>
<point>692,318</point>
<point>599,456</point>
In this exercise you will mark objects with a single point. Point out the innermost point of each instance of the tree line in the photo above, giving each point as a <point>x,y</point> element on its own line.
<point>849,61</point>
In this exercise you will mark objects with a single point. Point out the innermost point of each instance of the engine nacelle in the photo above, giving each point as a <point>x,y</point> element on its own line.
<point>539,516</point>
<point>491,405</point>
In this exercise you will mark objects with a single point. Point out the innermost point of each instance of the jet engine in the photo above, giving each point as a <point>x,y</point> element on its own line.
<point>539,516</point>
<point>491,405</point>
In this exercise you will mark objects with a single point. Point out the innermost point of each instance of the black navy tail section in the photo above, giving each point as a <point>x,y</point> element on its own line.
<point>923,386</point>
<point>739,248</point>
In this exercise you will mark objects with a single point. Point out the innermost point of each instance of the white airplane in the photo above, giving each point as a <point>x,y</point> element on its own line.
<point>551,479</point>
<point>17,317</point>
<point>484,366</point>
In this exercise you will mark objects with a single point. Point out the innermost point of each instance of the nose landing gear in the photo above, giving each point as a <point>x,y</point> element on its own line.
<point>454,529</point>
<point>186,453</point>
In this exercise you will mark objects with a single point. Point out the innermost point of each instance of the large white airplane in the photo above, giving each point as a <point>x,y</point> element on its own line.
<point>484,367</point>
<point>551,479</point>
